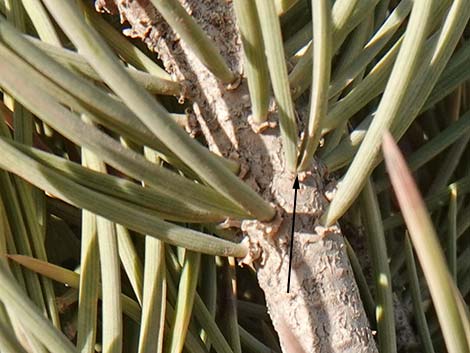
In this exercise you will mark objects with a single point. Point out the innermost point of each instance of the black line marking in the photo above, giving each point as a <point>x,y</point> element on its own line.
<point>295,187</point>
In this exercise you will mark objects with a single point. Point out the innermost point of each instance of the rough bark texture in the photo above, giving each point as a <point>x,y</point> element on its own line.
<point>323,310</point>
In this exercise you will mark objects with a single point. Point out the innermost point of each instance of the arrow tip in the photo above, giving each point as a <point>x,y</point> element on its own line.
<point>296,183</point>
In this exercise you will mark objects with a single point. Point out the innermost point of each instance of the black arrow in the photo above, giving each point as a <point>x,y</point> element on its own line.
<point>295,187</point>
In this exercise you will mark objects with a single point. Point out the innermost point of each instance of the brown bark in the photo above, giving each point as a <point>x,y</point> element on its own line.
<point>323,310</point>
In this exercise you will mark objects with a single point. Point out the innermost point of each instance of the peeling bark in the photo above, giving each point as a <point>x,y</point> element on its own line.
<point>323,309</point>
